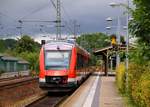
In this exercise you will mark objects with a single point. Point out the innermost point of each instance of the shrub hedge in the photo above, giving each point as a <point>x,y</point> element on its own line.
<point>138,83</point>
<point>120,78</point>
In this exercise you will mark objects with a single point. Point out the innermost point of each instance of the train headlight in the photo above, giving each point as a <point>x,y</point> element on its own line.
<point>42,80</point>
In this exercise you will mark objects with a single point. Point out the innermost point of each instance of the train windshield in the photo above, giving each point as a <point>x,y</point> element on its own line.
<point>57,60</point>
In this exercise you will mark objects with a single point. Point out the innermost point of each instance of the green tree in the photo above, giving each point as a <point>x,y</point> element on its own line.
<point>93,41</point>
<point>27,44</point>
<point>138,72</point>
<point>7,44</point>
<point>28,49</point>
<point>32,58</point>
<point>10,43</point>
<point>24,48</point>
<point>2,46</point>
<point>140,26</point>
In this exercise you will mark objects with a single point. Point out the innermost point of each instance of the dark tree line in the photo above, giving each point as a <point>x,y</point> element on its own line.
<point>92,42</point>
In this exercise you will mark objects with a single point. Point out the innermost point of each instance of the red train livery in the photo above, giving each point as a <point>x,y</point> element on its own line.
<point>63,66</point>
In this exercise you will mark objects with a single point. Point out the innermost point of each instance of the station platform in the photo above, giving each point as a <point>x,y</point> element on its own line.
<point>96,91</point>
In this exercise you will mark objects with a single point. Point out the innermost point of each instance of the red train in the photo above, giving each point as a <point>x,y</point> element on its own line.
<point>63,66</point>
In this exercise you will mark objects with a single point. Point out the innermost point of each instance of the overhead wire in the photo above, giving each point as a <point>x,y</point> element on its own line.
<point>32,12</point>
<point>69,29</point>
<point>53,4</point>
<point>35,11</point>
<point>65,13</point>
<point>39,9</point>
<point>10,17</point>
<point>3,27</point>
<point>67,16</point>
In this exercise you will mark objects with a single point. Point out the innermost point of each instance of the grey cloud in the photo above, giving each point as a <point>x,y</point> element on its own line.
<point>91,14</point>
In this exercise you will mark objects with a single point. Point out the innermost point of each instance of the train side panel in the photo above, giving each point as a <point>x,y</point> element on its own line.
<point>72,70</point>
<point>42,65</point>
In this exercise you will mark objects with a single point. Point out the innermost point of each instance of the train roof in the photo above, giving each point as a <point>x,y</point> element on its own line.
<point>61,41</point>
<point>68,43</point>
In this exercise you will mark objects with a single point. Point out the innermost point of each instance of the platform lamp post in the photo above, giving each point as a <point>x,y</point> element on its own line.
<point>109,19</point>
<point>108,28</point>
<point>113,4</point>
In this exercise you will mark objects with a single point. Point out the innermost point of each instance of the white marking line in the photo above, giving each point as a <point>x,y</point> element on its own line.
<point>90,97</point>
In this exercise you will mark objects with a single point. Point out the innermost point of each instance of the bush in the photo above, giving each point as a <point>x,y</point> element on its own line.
<point>139,84</point>
<point>141,89</point>
<point>120,77</point>
<point>145,89</point>
<point>134,73</point>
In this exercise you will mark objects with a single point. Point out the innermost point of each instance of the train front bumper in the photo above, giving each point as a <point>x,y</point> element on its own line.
<point>55,86</point>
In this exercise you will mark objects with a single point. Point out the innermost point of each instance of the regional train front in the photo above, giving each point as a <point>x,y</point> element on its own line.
<point>57,66</point>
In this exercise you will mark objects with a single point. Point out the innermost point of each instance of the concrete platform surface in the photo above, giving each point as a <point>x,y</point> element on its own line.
<point>109,96</point>
<point>97,91</point>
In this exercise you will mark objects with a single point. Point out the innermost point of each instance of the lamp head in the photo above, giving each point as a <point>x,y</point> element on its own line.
<point>109,19</point>
<point>113,4</point>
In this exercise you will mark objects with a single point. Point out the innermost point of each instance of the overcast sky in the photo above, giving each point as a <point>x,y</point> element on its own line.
<point>90,14</point>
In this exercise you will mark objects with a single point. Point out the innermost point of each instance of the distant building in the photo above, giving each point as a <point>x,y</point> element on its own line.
<point>12,66</point>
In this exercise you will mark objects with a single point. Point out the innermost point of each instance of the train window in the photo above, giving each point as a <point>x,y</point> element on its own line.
<point>80,61</point>
<point>57,60</point>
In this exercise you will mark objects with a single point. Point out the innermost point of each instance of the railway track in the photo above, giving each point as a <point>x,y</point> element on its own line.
<point>18,91</point>
<point>16,82</point>
<point>49,101</point>
<point>52,99</point>
<point>12,78</point>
